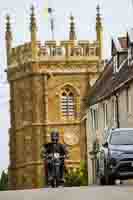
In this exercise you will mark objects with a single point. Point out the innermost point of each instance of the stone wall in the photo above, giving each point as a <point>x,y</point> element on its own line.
<point>35,89</point>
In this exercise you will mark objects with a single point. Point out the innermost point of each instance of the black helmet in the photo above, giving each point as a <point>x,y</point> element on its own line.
<point>54,136</point>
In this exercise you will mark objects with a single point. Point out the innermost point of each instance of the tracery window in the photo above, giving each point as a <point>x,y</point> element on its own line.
<point>67,104</point>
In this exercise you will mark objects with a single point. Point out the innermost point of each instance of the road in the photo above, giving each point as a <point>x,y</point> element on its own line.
<point>124,192</point>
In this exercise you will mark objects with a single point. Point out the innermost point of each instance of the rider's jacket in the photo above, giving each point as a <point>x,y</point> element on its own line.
<point>55,148</point>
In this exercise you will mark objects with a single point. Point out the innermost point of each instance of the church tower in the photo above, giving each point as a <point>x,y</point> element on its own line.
<point>49,84</point>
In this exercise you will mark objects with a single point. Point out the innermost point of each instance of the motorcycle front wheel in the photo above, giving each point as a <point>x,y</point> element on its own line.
<point>54,182</point>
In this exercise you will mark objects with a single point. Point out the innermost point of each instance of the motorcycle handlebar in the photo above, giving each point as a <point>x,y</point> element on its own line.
<point>51,156</point>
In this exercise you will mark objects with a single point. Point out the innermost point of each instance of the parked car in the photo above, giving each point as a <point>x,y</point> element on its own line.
<point>115,157</point>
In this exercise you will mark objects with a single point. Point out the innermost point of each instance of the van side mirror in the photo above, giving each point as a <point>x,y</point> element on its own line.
<point>105,145</point>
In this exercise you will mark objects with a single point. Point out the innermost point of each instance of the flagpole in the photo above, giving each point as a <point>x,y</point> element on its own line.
<point>50,11</point>
<point>52,28</point>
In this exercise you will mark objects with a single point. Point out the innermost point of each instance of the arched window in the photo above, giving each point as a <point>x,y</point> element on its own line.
<point>67,104</point>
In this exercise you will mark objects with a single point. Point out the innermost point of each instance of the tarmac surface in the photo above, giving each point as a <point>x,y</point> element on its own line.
<point>118,192</point>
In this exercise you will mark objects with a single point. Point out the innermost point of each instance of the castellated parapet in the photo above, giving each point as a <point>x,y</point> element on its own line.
<point>71,49</point>
<point>54,51</point>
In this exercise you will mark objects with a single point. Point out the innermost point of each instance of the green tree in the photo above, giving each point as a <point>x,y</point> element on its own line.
<point>4,181</point>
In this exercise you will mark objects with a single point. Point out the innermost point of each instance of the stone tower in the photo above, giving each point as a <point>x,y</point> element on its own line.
<point>49,84</point>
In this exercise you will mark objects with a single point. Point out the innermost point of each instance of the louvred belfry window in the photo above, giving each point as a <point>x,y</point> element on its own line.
<point>67,104</point>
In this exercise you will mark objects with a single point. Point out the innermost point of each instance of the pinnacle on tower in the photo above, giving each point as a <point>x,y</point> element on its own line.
<point>8,26</point>
<point>8,37</point>
<point>33,27</point>
<point>99,32</point>
<point>8,30</point>
<point>33,30</point>
<point>72,34</point>
<point>98,17</point>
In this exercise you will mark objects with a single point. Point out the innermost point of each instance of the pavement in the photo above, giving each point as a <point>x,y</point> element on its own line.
<point>74,193</point>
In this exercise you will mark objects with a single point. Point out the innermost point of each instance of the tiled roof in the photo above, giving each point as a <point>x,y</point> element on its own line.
<point>109,82</point>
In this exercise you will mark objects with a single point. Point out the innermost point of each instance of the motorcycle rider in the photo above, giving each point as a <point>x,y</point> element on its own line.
<point>55,147</point>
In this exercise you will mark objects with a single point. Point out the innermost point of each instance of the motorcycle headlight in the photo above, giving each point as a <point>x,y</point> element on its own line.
<point>56,155</point>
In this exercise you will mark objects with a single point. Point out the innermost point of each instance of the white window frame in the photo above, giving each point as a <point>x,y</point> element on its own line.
<point>129,55</point>
<point>114,108</point>
<point>94,118</point>
<point>128,100</point>
<point>67,104</point>
<point>105,114</point>
<point>115,63</point>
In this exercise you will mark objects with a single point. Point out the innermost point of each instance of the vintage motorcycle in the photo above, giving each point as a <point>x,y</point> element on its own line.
<point>54,161</point>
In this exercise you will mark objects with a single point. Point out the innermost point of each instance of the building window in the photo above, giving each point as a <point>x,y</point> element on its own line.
<point>105,114</point>
<point>94,118</point>
<point>114,109</point>
<point>67,104</point>
<point>115,63</point>
<point>128,99</point>
<point>129,55</point>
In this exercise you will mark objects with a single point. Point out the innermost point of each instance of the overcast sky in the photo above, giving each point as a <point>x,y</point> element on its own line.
<point>117,16</point>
